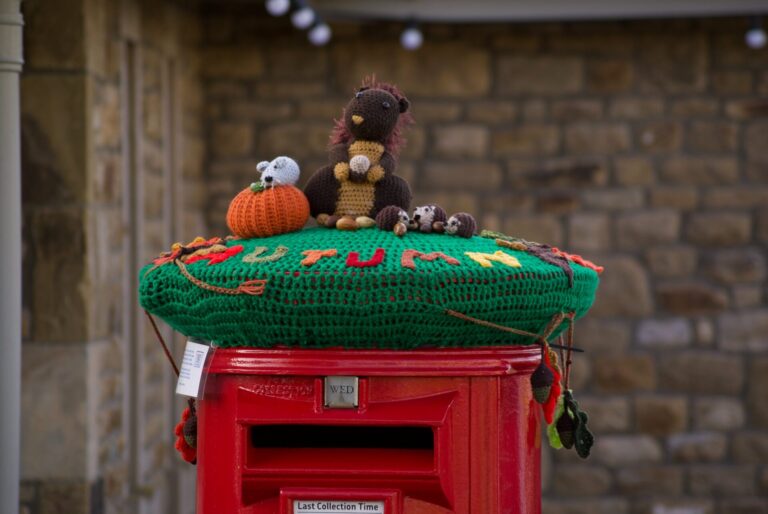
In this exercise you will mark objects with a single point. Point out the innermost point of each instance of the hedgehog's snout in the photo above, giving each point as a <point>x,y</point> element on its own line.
<point>417,217</point>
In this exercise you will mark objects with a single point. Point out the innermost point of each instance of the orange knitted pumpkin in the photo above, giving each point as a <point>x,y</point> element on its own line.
<point>273,211</point>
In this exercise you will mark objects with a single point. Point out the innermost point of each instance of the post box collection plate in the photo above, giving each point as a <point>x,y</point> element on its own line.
<point>337,507</point>
<point>341,393</point>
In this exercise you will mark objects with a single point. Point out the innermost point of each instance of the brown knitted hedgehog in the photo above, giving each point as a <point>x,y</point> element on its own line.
<point>359,180</point>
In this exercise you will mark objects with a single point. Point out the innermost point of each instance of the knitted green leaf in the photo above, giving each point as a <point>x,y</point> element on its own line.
<point>386,306</point>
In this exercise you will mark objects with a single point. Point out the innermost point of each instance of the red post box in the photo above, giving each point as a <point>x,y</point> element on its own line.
<point>357,431</point>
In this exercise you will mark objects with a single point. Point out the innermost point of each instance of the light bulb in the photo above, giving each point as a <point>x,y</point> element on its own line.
<point>756,38</point>
<point>303,17</point>
<point>411,38</point>
<point>320,34</point>
<point>278,7</point>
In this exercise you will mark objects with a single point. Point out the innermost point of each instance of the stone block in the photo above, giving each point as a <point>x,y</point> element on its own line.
<point>461,141</point>
<point>560,173</point>
<point>57,247</point>
<point>558,202</point>
<point>719,228</point>
<point>645,228</point>
<point>52,48</point>
<point>576,109</point>
<point>623,374</point>
<point>754,505</point>
<point>713,136</point>
<point>757,392</point>
<point>754,142</point>
<point>633,171</point>
<point>700,171</point>
<point>437,112</point>
<point>533,110</point>
<point>722,480</point>
<point>660,136</point>
<point>636,108</point>
<point>745,265</point>
<point>589,232</point>
<point>697,447</point>
<point>473,175</point>
<point>65,495</point>
<point>736,197</point>
<point>54,411</point>
<point>672,261</point>
<point>490,112</point>
<point>701,372</point>
<point>693,107</point>
<point>650,480</point>
<point>746,109</point>
<point>744,331</point>
<point>661,415</point>
<point>614,199</point>
<point>691,298</point>
<point>526,140</point>
<point>624,289</point>
<point>270,112</point>
<point>746,296</point>
<point>597,138</point>
<point>673,506</point>
<point>54,137</point>
<point>606,413</point>
<point>684,198</point>
<point>626,450</point>
<point>284,89</point>
<point>732,82</point>
<point>720,413</point>
<point>664,333</point>
<point>591,41</point>
<point>232,139</point>
<point>298,139</point>
<point>581,480</point>
<point>450,69</point>
<point>539,75</point>
<point>609,75</point>
<point>672,64</point>
<point>586,506</point>
<point>750,447</point>
<point>296,63</point>
<point>602,337</point>
<point>232,62</point>
<point>544,229</point>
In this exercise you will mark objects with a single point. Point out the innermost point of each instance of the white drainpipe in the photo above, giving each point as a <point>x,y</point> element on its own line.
<point>10,270</point>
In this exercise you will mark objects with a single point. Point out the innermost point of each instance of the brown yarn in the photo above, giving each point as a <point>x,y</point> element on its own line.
<point>252,287</point>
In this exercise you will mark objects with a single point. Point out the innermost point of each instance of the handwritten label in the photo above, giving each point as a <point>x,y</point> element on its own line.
<point>191,369</point>
<point>336,507</point>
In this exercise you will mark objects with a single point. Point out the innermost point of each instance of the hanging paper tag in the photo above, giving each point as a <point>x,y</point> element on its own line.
<point>192,369</point>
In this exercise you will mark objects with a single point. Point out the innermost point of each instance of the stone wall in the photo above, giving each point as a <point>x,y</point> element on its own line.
<point>640,145</point>
<point>100,127</point>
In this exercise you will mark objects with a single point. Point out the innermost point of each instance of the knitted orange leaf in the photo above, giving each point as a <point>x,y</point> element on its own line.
<point>267,213</point>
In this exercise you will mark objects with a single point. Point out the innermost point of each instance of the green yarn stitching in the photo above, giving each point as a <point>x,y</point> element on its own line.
<point>385,306</point>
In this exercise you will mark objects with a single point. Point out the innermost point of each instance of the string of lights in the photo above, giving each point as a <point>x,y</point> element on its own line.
<point>319,33</point>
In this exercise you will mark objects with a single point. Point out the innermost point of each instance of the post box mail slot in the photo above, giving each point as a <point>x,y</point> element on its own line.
<point>440,431</point>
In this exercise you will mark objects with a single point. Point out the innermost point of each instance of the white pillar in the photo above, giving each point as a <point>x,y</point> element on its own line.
<point>10,270</point>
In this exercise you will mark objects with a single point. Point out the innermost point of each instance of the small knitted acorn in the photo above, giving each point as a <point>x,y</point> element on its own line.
<point>461,224</point>
<point>393,218</point>
<point>273,205</point>
<point>565,427</point>
<point>428,218</point>
<point>541,382</point>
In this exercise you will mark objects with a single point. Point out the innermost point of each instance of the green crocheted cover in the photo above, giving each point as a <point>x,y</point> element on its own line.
<point>383,306</point>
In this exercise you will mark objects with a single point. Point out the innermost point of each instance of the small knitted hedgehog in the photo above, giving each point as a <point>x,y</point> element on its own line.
<point>428,218</point>
<point>393,218</point>
<point>281,171</point>
<point>461,224</point>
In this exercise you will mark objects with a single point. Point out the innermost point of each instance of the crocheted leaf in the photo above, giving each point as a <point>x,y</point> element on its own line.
<point>384,305</point>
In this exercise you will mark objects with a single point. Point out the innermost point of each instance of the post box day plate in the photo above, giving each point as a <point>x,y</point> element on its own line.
<point>366,289</point>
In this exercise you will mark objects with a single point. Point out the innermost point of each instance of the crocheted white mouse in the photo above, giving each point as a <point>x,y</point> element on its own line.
<point>281,171</point>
